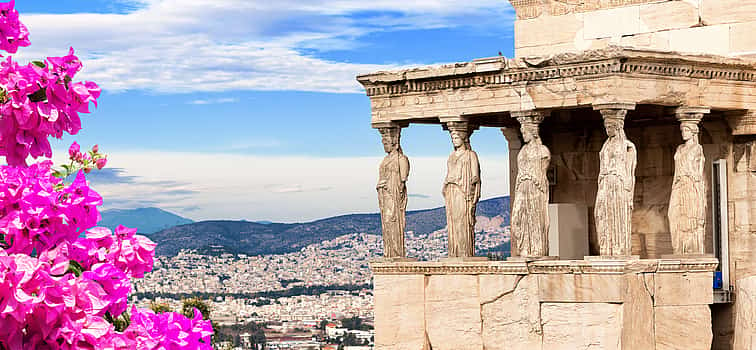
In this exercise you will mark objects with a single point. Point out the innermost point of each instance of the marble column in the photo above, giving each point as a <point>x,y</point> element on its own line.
<point>392,191</point>
<point>687,203</point>
<point>616,183</point>
<point>530,208</point>
<point>461,188</point>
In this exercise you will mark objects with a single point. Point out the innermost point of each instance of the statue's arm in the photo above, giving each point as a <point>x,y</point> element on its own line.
<point>404,168</point>
<point>545,162</point>
<point>701,164</point>
<point>475,165</point>
<point>632,160</point>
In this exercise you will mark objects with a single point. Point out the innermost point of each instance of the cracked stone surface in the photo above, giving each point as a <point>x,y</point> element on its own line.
<point>745,322</point>
<point>399,308</point>
<point>638,313</point>
<point>452,312</point>
<point>683,327</point>
<point>511,320</point>
<point>581,326</point>
<point>683,289</point>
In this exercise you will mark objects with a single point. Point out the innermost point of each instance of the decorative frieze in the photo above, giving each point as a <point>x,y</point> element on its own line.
<point>382,267</point>
<point>528,9</point>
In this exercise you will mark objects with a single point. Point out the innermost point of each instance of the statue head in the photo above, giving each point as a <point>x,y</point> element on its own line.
<point>689,130</point>
<point>614,126</point>
<point>390,139</point>
<point>459,138</point>
<point>529,127</point>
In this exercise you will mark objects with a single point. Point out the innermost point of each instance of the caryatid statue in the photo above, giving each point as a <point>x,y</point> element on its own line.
<point>687,204</point>
<point>461,191</point>
<point>392,192</point>
<point>530,209</point>
<point>616,185</point>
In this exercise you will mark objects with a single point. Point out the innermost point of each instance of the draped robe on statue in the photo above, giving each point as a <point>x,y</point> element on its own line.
<point>461,194</point>
<point>614,200</point>
<point>530,210</point>
<point>687,204</point>
<point>392,199</point>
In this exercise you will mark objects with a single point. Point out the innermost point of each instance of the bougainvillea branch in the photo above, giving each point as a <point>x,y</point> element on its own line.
<point>64,283</point>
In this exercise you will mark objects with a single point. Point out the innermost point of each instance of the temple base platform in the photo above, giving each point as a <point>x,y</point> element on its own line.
<point>544,305</point>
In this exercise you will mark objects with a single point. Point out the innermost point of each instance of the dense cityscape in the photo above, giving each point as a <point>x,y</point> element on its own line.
<point>300,298</point>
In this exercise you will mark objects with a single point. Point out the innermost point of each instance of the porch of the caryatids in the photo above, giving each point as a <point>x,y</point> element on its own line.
<point>530,207</point>
<point>687,203</point>
<point>461,189</point>
<point>616,183</point>
<point>392,191</point>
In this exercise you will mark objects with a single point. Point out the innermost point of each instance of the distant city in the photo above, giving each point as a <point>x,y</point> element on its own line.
<point>309,299</point>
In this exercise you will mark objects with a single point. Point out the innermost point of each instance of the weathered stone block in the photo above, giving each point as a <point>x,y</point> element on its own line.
<point>694,288</point>
<point>654,41</point>
<point>493,287</point>
<point>593,288</point>
<point>745,320</point>
<point>682,327</point>
<point>612,22</point>
<point>638,313</point>
<point>667,15</point>
<point>712,40</point>
<point>511,320</point>
<point>452,312</point>
<point>581,326</point>
<point>727,11</point>
<point>399,312</point>
<point>742,39</point>
<point>548,30</point>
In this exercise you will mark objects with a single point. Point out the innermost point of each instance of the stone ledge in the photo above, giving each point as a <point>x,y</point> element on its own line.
<point>589,63</point>
<point>382,267</point>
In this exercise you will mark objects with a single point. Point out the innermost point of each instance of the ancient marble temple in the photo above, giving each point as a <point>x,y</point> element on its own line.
<point>631,127</point>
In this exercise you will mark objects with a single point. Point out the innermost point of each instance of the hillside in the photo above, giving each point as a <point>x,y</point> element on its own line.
<point>146,220</point>
<point>255,238</point>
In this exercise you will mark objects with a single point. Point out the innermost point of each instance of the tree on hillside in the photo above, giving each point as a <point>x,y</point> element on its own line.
<point>188,306</point>
<point>159,308</point>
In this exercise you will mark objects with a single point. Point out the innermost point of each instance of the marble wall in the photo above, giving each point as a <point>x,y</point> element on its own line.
<point>562,305</point>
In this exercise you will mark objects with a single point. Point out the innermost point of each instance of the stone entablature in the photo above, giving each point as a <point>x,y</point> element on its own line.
<point>527,9</point>
<point>489,72</point>
<point>543,267</point>
<point>500,85</point>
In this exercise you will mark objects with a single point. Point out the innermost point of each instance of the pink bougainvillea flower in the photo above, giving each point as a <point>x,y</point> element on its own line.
<point>58,289</point>
<point>74,150</point>
<point>101,162</point>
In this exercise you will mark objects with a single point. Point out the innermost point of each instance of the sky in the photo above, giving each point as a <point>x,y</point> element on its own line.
<point>249,109</point>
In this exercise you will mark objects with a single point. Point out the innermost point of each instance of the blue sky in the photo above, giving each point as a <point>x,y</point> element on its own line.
<point>249,109</point>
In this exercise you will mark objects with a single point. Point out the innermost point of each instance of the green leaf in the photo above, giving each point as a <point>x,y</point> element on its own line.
<point>39,64</point>
<point>38,96</point>
<point>75,268</point>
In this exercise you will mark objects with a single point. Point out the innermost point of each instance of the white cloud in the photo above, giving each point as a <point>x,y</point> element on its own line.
<point>215,101</point>
<point>222,45</point>
<point>223,186</point>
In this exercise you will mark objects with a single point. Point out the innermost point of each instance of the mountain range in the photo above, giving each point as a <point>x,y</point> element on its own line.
<point>146,220</point>
<point>256,238</point>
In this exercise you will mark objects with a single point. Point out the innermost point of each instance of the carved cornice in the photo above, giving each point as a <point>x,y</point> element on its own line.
<point>585,65</point>
<point>450,268</point>
<point>688,265</point>
<point>543,267</point>
<point>527,9</point>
